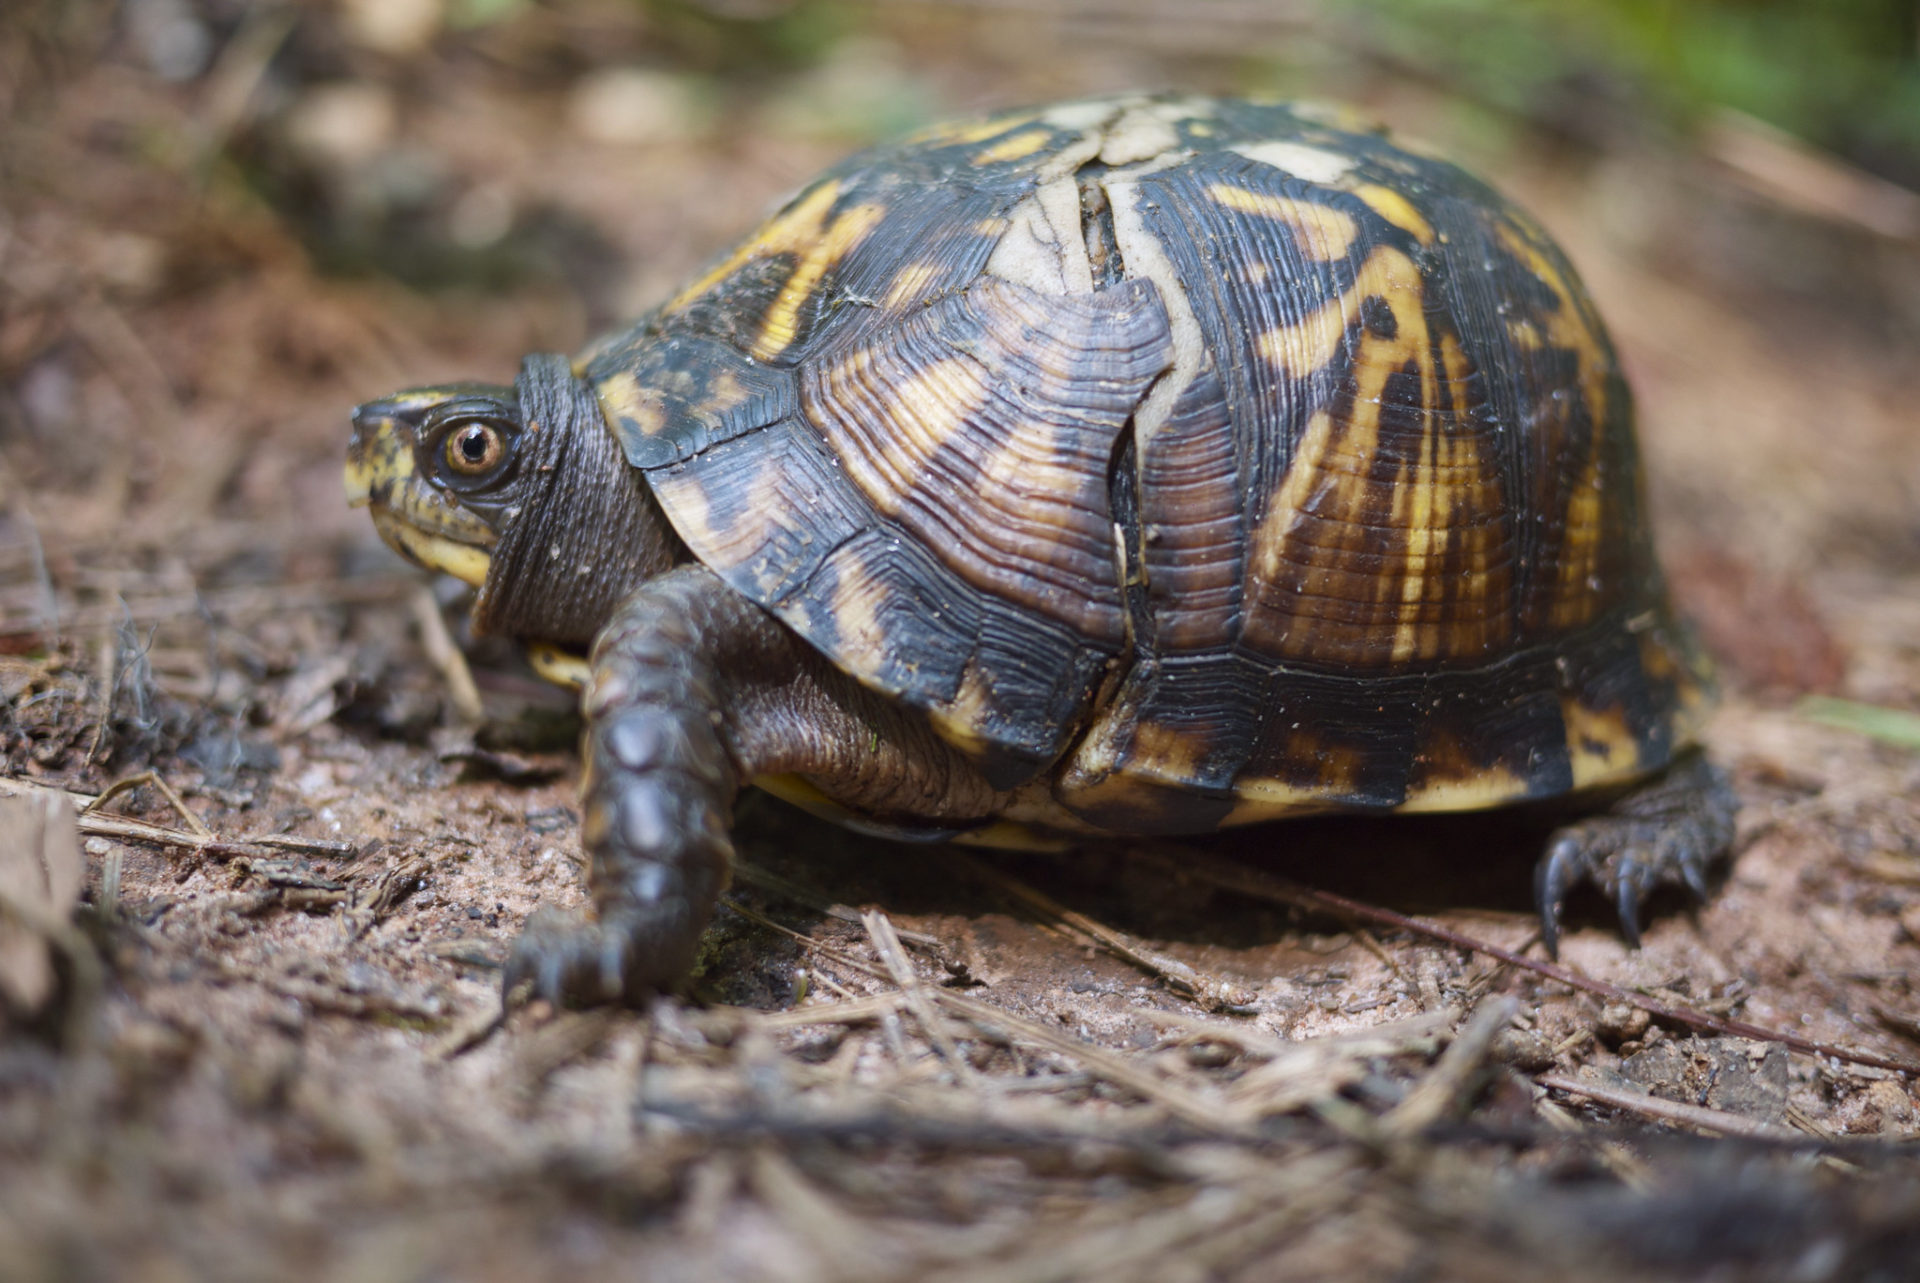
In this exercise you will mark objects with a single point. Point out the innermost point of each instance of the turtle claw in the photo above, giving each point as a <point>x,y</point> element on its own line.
<point>1663,834</point>
<point>569,958</point>
<point>1626,904</point>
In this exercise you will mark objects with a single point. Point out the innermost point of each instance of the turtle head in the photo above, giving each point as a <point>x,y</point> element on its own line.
<point>439,469</point>
<point>521,491</point>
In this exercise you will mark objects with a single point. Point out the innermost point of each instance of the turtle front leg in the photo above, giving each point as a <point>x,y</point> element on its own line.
<point>656,802</point>
<point>694,692</point>
<point>1665,832</point>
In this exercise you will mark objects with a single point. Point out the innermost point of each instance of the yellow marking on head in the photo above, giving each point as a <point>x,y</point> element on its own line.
<point>787,233</point>
<point>358,481</point>
<point>1013,147</point>
<point>782,323</point>
<point>1599,746</point>
<point>560,666</point>
<point>1396,209</point>
<point>380,461</point>
<point>1321,232</point>
<point>464,562</point>
<point>910,283</point>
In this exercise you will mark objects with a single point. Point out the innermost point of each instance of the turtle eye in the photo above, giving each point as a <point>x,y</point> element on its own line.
<point>474,449</point>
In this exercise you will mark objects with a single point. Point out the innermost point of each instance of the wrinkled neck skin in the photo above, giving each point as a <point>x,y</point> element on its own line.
<point>586,531</point>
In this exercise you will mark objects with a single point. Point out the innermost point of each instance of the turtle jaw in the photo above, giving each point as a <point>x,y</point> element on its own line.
<point>412,515</point>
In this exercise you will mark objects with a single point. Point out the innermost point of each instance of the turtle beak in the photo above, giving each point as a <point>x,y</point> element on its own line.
<point>380,452</point>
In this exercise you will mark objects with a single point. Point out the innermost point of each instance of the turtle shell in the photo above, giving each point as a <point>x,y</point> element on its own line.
<point>1225,458</point>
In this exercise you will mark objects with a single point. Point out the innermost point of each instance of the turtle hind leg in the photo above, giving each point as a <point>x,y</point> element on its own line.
<point>1664,833</point>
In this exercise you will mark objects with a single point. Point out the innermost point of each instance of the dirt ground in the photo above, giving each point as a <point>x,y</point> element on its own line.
<point>262,1039</point>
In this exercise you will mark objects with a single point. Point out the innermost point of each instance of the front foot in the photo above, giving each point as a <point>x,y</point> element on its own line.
<point>1665,833</point>
<point>655,829</point>
<point>618,957</point>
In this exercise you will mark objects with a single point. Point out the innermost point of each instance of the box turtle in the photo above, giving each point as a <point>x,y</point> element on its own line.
<point>1136,466</point>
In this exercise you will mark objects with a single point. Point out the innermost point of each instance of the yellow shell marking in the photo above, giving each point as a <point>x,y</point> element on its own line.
<point>841,236</point>
<point>1396,209</point>
<point>1447,778</point>
<point>1599,746</point>
<point>1432,501</point>
<point>957,133</point>
<point>780,235</point>
<point>1482,790</point>
<point>1013,147</point>
<point>623,398</point>
<point>803,231</point>
<point>1321,232</point>
<point>1567,327</point>
<point>958,722</point>
<point>1337,771</point>
<point>1299,349</point>
<point>910,283</point>
<point>923,411</point>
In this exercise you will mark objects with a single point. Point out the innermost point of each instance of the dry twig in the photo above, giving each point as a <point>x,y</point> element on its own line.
<point>1268,886</point>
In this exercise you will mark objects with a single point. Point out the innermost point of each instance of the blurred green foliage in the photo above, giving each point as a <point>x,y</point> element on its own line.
<point>1841,73</point>
<point>743,35</point>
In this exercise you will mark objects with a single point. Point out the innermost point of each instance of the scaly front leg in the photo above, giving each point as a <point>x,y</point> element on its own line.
<point>694,692</point>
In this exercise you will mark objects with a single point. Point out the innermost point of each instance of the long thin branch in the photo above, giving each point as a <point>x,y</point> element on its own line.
<point>1268,886</point>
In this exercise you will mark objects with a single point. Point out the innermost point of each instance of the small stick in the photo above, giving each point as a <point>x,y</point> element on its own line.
<point>160,786</point>
<point>94,824</point>
<point>1668,1111</point>
<point>1192,1108</point>
<point>1189,1106</point>
<point>852,1011</point>
<point>1214,993</point>
<point>887,944</point>
<point>1442,1092</point>
<point>1268,886</point>
<point>447,657</point>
